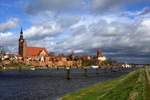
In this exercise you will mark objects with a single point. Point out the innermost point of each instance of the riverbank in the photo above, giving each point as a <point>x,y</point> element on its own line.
<point>133,86</point>
<point>22,66</point>
<point>19,66</point>
<point>49,84</point>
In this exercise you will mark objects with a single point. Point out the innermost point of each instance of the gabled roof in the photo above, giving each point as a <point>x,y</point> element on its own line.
<point>34,51</point>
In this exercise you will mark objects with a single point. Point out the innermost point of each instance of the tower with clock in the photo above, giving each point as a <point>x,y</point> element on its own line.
<point>22,45</point>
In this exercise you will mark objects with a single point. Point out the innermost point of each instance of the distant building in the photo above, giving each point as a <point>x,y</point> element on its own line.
<point>30,52</point>
<point>38,56</point>
<point>100,57</point>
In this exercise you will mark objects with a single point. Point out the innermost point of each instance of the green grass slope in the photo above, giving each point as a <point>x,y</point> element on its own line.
<point>133,86</point>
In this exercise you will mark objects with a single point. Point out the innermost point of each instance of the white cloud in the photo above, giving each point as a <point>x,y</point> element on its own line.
<point>10,24</point>
<point>146,23</point>
<point>42,31</point>
<point>90,31</point>
<point>84,32</point>
<point>9,41</point>
<point>37,6</point>
<point>107,6</point>
<point>115,34</point>
<point>47,24</point>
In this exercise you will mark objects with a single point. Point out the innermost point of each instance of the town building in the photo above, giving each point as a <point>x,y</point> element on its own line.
<point>100,56</point>
<point>38,56</point>
<point>36,53</point>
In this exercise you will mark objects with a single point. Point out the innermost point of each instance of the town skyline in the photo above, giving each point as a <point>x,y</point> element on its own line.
<point>120,29</point>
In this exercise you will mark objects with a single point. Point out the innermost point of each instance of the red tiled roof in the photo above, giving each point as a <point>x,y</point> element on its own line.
<point>34,51</point>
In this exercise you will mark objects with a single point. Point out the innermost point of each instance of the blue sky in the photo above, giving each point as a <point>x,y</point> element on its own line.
<point>119,28</point>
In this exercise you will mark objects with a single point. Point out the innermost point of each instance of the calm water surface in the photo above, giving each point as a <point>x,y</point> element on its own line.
<point>48,84</point>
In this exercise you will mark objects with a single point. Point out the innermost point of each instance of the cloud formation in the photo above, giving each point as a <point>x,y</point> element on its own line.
<point>42,31</point>
<point>10,24</point>
<point>9,41</point>
<point>120,37</point>
<point>94,6</point>
<point>85,26</point>
<point>53,5</point>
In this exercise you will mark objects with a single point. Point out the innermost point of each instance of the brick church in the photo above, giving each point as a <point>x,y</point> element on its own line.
<point>30,52</point>
<point>38,56</point>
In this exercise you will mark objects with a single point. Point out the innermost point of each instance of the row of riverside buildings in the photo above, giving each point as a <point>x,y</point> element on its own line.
<point>38,56</point>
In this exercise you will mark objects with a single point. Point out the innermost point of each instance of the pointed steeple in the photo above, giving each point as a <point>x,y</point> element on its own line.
<point>22,44</point>
<point>21,34</point>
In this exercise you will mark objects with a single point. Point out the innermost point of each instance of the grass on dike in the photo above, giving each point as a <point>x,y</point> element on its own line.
<point>133,86</point>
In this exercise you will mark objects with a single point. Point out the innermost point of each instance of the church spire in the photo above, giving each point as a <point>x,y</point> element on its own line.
<point>21,34</point>
<point>22,44</point>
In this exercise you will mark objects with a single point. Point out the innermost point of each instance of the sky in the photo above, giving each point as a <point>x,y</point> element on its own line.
<point>120,28</point>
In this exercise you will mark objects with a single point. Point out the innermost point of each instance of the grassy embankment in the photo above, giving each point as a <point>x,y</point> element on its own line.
<point>133,86</point>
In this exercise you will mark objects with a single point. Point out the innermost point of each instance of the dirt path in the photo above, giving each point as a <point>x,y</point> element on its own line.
<point>147,70</point>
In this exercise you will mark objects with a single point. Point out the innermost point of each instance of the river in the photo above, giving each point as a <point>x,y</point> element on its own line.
<point>48,84</point>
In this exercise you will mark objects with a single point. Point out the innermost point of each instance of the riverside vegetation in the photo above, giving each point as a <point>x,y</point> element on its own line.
<point>133,86</point>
